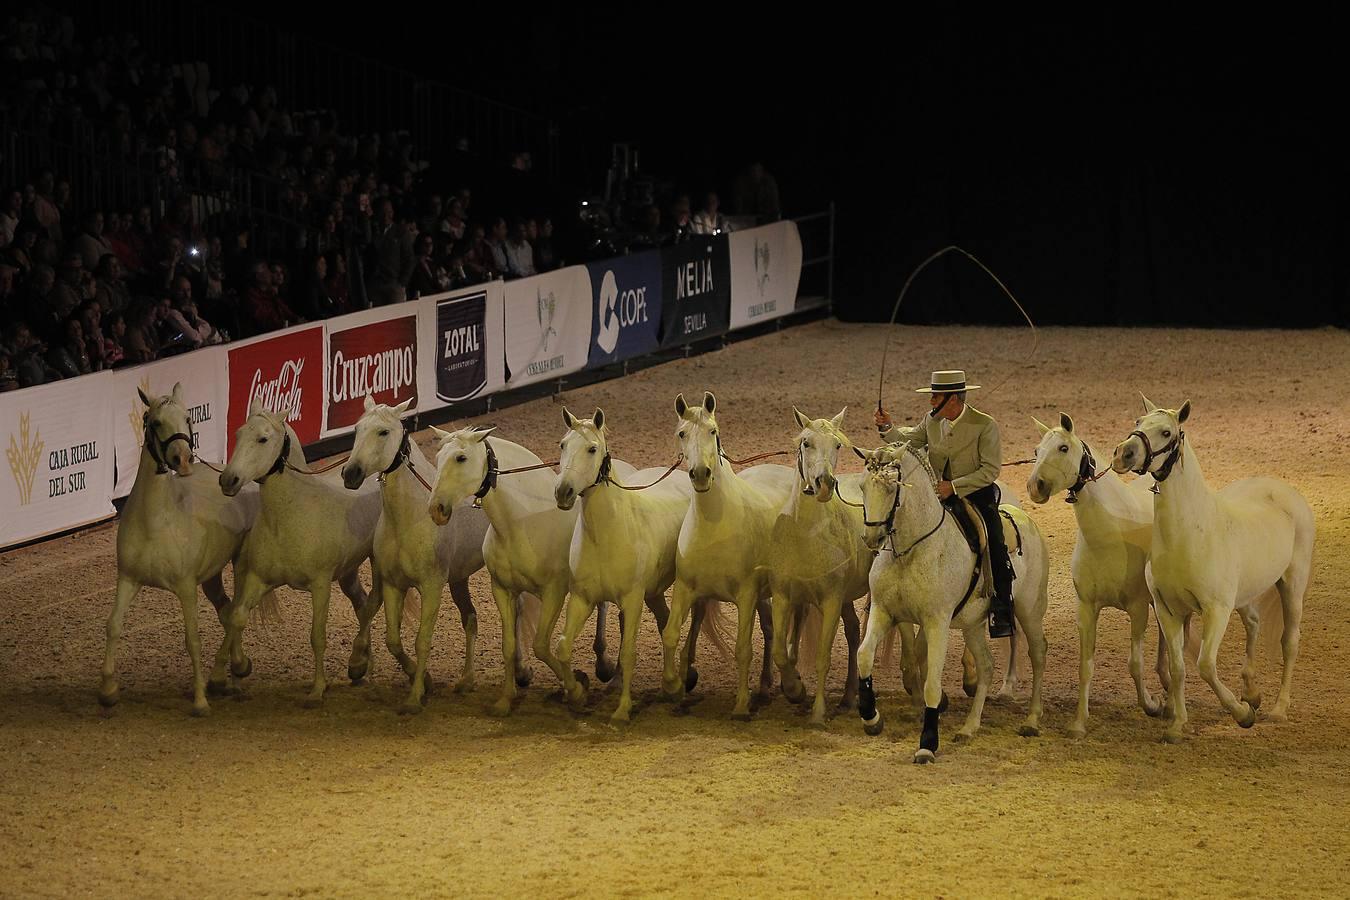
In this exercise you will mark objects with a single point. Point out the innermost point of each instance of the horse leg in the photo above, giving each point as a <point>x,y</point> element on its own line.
<point>604,669</point>
<point>126,592</point>
<point>978,645</point>
<point>936,636</point>
<point>1034,630</point>
<point>1251,694</point>
<point>430,590</point>
<point>214,589</point>
<point>745,625</point>
<point>1291,588</point>
<point>553,599</point>
<point>909,660</point>
<point>766,620</point>
<point>829,626</point>
<point>878,624</point>
<point>365,606</point>
<point>391,598</point>
<point>970,672</point>
<point>468,617</point>
<point>672,682</point>
<point>1162,666</point>
<point>920,667</point>
<point>782,654</point>
<point>852,638</point>
<point>660,611</point>
<point>248,588</point>
<point>1138,613</point>
<point>1173,629</point>
<point>506,607</point>
<point>1087,651</point>
<point>318,640</point>
<point>575,684</point>
<point>187,595</point>
<point>1213,623</point>
<point>630,618</point>
<point>687,670</point>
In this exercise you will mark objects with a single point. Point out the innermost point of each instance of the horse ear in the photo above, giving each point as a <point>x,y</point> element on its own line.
<point>861,455</point>
<point>1041,425</point>
<point>568,419</point>
<point>369,403</point>
<point>1184,413</point>
<point>403,407</point>
<point>680,406</point>
<point>438,437</point>
<point>255,406</point>
<point>176,395</point>
<point>598,420</point>
<point>1065,422</point>
<point>144,398</point>
<point>802,421</point>
<point>480,434</point>
<point>709,402</point>
<point>838,420</point>
<point>1149,406</point>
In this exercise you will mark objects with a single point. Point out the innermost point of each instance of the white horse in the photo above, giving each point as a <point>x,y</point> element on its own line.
<point>1115,532</point>
<point>411,551</point>
<point>723,548</point>
<point>623,545</point>
<point>929,576</point>
<point>526,545</point>
<point>309,533</point>
<point>1216,552</point>
<point>176,532</point>
<point>815,559</point>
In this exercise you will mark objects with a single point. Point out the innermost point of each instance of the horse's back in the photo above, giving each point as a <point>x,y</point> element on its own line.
<point>774,481</point>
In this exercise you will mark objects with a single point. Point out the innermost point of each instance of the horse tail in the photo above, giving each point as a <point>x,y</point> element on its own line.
<point>717,628</point>
<point>529,609</point>
<point>1270,613</point>
<point>267,612</point>
<point>808,635</point>
<point>1190,644</point>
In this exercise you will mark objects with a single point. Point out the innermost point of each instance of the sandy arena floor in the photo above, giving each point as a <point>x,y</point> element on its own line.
<point>267,798</point>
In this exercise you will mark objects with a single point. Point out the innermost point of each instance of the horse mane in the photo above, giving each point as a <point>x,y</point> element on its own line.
<point>921,459</point>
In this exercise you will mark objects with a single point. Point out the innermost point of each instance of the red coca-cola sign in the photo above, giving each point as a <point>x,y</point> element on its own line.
<point>284,372</point>
<point>379,360</point>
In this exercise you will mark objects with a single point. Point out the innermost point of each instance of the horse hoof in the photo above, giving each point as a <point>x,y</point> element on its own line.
<point>1029,730</point>
<point>244,670</point>
<point>1254,701</point>
<point>1171,737</point>
<point>356,674</point>
<point>963,736</point>
<point>409,708</point>
<point>501,709</point>
<point>202,711</point>
<point>1278,714</point>
<point>605,670</point>
<point>1249,719</point>
<point>464,686</point>
<point>108,699</point>
<point>741,716</point>
<point>969,687</point>
<point>1076,731</point>
<point>923,757</point>
<point>524,676</point>
<point>943,703</point>
<point>312,702</point>
<point>690,680</point>
<point>795,692</point>
<point>620,717</point>
<point>874,727</point>
<point>1154,711</point>
<point>217,688</point>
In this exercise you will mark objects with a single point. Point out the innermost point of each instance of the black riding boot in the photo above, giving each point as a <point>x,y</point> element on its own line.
<point>1001,621</point>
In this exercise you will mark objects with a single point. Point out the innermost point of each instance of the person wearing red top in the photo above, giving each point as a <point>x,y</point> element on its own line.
<point>263,308</point>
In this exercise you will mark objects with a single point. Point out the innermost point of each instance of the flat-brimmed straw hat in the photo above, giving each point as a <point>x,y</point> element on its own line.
<point>950,382</point>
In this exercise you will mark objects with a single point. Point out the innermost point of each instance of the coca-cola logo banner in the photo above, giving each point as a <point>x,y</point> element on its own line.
<point>285,371</point>
<point>375,357</point>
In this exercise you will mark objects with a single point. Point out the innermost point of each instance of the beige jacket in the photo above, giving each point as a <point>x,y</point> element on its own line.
<point>969,456</point>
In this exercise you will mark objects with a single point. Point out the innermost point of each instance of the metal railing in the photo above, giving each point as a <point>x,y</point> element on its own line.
<point>817,280</point>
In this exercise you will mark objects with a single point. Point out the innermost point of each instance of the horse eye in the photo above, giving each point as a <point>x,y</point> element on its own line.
<point>681,435</point>
<point>384,433</point>
<point>838,446</point>
<point>262,440</point>
<point>1167,434</point>
<point>592,450</point>
<point>1063,448</point>
<point>461,458</point>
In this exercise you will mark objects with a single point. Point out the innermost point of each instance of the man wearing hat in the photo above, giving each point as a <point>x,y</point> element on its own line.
<point>963,448</point>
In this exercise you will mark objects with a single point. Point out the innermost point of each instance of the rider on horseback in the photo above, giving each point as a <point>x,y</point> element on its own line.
<point>963,447</point>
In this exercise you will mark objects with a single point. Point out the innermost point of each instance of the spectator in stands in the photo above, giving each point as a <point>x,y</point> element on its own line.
<point>9,296</point>
<point>64,200</point>
<point>454,223</point>
<point>336,282</point>
<point>9,374</point>
<point>125,243</point>
<point>519,253</point>
<point>478,259</point>
<point>115,330</point>
<point>709,220</point>
<point>545,260</point>
<point>496,245</point>
<point>91,244</point>
<point>20,254</point>
<point>139,339</point>
<point>91,321</point>
<point>431,215</point>
<point>213,270</point>
<point>11,210</point>
<point>70,358</point>
<point>183,318</point>
<point>427,278</point>
<point>649,235</point>
<point>68,291</point>
<point>757,195</point>
<point>36,302</point>
<point>263,309</point>
<point>171,265</point>
<point>682,224</point>
<point>317,303</point>
<point>110,288</point>
<point>281,280</point>
<point>43,208</point>
<point>393,258</point>
<point>29,356</point>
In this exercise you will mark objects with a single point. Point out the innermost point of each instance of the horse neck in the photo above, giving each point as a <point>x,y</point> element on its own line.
<point>603,506</point>
<point>1100,506</point>
<point>919,513</point>
<point>403,496</point>
<point>516,496</point>
<point>726,488</point>
<point>151,484</point>
<point>1184,498</point>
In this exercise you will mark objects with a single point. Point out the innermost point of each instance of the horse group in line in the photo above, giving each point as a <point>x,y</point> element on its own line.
<point>794,546</point>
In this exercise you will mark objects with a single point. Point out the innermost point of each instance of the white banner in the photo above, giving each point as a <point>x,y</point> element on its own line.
<point>548,325</point>
<point>462,347</point>
<point>766,265</point>
<point>202,375</point>
<point>58,441</point>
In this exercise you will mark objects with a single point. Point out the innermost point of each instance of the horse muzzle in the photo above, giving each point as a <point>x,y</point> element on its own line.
<point>230,484</point>
<point>565,496</point>
<point>700,478</point>
<point>1037,490</point>
<point>1126,456</point>
<point>873,541</point>
<point>353,477</point>
<point>439,512</point>
<point>824,488</point>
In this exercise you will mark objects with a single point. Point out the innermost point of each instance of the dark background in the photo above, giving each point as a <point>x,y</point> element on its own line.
<point>1110,167</point>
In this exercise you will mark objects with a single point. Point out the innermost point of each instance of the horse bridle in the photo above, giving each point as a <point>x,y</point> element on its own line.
<point>489,476</point>
<point>889,522</point>
<point>280,465</point>
<point>402,456</point>
<point>1172,448</point>
<point>156,447</point>
<point>1087,473</point>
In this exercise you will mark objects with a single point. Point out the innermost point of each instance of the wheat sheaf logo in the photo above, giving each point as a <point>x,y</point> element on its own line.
<point>137,413</point>
<point>23,458</point>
